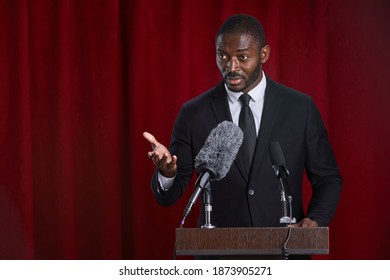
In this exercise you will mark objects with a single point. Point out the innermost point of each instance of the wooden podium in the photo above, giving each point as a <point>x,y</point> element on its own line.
<point>265,241</point>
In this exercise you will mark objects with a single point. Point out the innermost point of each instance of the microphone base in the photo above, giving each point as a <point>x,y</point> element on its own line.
<point>287,220</point>
<point>208,226</point>
<point>208,209</point>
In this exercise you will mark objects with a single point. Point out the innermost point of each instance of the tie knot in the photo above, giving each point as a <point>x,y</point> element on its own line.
<point>245,98</point>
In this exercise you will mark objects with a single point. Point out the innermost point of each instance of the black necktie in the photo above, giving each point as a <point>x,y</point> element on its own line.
<point>247,124</point>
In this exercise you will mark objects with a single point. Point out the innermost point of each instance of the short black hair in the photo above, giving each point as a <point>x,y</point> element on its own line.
<point>243,24</point>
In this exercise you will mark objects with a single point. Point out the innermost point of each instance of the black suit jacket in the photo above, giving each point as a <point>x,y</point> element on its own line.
<point>290,118</point>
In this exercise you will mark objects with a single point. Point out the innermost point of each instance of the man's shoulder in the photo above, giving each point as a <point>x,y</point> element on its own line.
<point>206,97</point>
<point>286,92</point>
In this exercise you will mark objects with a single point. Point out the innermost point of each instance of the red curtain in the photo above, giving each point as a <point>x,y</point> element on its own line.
<point>81,80</point>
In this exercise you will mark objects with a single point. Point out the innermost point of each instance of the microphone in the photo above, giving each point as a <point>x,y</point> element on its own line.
<point>215,158</point>
<point>281,172</point>
<point>277,159</point>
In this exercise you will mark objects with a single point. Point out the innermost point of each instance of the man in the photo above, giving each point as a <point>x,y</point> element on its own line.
<point>249,194</point>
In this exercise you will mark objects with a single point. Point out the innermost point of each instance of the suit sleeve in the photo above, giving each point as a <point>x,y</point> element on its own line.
<point>181,147</point>
<point>321,169</point>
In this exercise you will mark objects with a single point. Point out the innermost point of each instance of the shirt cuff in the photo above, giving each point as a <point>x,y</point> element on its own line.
<point>165,182</point>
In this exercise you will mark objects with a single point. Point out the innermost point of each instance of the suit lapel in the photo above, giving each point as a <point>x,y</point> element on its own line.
<point>220,104</point>
<point>269,114</point>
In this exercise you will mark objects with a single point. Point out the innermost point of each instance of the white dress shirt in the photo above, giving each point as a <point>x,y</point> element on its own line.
<point>256,103</point>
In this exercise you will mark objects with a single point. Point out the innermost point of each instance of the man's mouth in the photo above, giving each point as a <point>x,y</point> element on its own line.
<point>233,80</point>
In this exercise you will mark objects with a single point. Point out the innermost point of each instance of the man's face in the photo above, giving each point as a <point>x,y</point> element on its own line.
<point>238,60</point>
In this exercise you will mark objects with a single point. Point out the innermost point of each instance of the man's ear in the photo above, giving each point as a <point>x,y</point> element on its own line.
<point>265,53</point>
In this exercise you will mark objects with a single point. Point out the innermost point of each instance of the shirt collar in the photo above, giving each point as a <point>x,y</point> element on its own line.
<point>256,93</point>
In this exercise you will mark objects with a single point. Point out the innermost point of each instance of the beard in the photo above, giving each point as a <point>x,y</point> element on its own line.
<point>248,81</point>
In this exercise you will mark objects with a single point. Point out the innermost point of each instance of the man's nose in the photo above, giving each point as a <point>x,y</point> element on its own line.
<point>233,65</point>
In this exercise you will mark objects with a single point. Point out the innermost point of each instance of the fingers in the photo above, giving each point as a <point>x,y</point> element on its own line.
<point>306,222</point>
<point>309,223</point>
<point>165,163</point>
<point>157,147</point>
<point>162,161</point>
<point>165,159</point>
<point>152,140</point>
<point>161,157</point>
<point>172,163</point>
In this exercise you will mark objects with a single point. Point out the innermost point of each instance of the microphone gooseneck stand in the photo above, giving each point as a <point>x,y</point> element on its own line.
<point>202,185</point>
<point>207,200</point>
<point>281,173</point>
<point>287,219</point>
<point>291,220</point>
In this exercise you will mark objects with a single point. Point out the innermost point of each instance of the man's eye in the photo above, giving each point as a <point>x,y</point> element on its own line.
<point>221,56</point>
<point>243,57</point>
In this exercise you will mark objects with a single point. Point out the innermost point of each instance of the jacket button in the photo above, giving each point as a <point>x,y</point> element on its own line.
<point>251,192</point>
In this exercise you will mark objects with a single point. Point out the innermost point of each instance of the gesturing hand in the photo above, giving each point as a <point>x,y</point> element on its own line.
<point>161,157</point>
